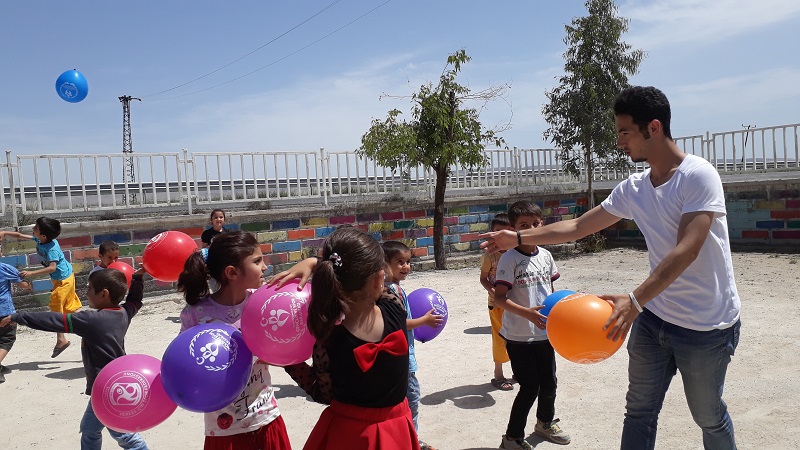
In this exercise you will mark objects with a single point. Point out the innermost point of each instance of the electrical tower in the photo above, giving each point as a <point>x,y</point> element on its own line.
<point>128,165</point>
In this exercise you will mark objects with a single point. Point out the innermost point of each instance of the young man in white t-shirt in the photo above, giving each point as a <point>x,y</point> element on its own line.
<point>690,320</point>
<point>524,278</point>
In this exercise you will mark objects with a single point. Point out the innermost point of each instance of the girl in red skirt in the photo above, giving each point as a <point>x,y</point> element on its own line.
<point>361,356</point>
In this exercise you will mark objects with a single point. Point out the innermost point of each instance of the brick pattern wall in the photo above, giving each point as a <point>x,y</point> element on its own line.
<point>753,216</point>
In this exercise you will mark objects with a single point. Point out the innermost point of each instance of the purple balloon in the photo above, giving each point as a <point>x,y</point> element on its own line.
<point>420,302</point>
<point>206,367</point>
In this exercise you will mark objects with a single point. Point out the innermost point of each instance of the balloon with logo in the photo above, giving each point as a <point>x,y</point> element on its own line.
<point>274,324</point>
<point>128,395</point>
<point>166,253</point>
<point>206,367</point>
<point>72,86</point>
<point>575,329</point>
<point>126,269</point>
<point>552,299</point>
<point>420,302</point>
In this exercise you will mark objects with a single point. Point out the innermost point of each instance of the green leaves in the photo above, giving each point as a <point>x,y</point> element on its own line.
<point>597,66</point>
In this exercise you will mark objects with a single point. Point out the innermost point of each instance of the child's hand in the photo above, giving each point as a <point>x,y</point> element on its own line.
<point>140,271</point>
<point>537,318</point>
<point>24,274</point>
<point>433,320</point>
<point>5,321</point>
<point>300,270</point>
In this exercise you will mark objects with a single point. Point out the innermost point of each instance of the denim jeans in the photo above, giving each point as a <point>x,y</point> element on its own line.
<point>657,349</point>
<point>534,366</point>
<point>92,438</point>
<point>412,393</point>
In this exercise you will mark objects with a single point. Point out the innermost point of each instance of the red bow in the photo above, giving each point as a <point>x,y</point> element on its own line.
<point>394,344</point>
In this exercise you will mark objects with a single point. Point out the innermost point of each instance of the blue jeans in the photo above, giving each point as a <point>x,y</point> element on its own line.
<point>92,438</point>
<point>657,349</point>
<point>413,398</point>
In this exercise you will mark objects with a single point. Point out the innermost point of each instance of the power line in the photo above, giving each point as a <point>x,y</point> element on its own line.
<point>248,54</point>
<point>284,57</point>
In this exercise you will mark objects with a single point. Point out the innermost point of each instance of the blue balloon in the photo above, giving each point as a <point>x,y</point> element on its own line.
<point>552,299</point>
<point>206,367</point>
<point>72,86</point>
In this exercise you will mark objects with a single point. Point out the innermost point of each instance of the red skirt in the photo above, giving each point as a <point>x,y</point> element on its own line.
<point>347,427</point>
<point>271,436</point>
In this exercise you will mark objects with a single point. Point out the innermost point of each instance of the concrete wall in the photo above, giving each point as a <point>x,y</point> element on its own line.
<point>758,213</point>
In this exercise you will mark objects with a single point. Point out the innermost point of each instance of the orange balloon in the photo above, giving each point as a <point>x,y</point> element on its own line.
<point>575,329</point>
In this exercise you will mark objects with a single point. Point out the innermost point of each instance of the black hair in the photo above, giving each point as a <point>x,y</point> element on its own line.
<point>50,228</point>
<point>211,216</point>
<point>500,219</point>
<point>226,249</point>
<point>392,248</point>
<point>644,104</point>
<point>349,258</point>
<point>111,279</point>
<point>523,208</point>
<point>108,246</point>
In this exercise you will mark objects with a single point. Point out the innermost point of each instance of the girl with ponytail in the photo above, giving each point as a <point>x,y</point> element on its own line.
<point>234,259</point>
<point>361,356</point>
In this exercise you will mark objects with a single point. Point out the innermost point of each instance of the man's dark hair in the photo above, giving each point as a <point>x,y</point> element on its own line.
<point>111,279</point>
<point>48,227</point>
<point>644,104</point>
<point>523,208</point>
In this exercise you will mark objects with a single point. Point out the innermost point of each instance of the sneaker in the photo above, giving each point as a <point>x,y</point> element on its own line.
<point>515,444</point>
<point>552,432</point>
<point>4,370</point>
<point>2,378</point>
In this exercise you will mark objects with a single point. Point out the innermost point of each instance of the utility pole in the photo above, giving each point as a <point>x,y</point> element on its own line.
<point>129,168</point>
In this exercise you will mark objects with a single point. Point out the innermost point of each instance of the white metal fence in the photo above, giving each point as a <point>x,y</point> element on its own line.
<point>75,184</point>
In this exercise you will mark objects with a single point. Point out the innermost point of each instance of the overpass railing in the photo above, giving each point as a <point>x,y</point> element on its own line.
<point>54,184</point>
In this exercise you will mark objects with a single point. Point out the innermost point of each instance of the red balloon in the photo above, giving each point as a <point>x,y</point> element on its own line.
<point>165,255</point>
<point>124,268</point>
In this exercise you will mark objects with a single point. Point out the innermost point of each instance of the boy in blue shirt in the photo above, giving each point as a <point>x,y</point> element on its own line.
<point>398,258</point>
<point>63,298</point>
<point>8,334</point>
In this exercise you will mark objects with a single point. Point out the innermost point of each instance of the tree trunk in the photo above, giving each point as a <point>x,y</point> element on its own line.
<point>589,174</point>
<point>438,218</point>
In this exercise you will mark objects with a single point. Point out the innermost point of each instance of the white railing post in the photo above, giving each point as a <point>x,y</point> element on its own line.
<point>326,183</point>
<point>11,190</point>
<point>188,185</point>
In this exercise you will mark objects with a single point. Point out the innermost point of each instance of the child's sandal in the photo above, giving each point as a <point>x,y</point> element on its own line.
<point>502,383</point>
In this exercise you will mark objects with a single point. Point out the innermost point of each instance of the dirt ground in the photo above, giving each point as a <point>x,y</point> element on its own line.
<point>42,400</point>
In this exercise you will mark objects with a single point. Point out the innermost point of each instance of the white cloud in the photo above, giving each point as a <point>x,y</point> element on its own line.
<point>657,23</point>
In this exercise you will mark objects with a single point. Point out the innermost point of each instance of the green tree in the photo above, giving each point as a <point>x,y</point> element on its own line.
<point>442,134</point>
<point>580,111</point>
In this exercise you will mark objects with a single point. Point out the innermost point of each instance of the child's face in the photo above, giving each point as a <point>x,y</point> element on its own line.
<point>527,222</point>
<point>109,257</point>
<point>252,269</point>
<point>38,235</point>
<point>97,300</point>
<point>400,264</point>
<point>218,220</point>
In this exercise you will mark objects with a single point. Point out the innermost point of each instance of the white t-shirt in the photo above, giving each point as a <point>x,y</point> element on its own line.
<point>529,279</point>
<point>704,296</point>
<point>256,406</point>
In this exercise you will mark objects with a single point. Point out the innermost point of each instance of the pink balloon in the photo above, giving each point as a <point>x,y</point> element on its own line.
<point>127,395</point>
<point>274,324</point>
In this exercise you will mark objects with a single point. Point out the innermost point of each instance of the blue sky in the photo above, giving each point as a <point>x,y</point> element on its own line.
<point>722,63</point>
